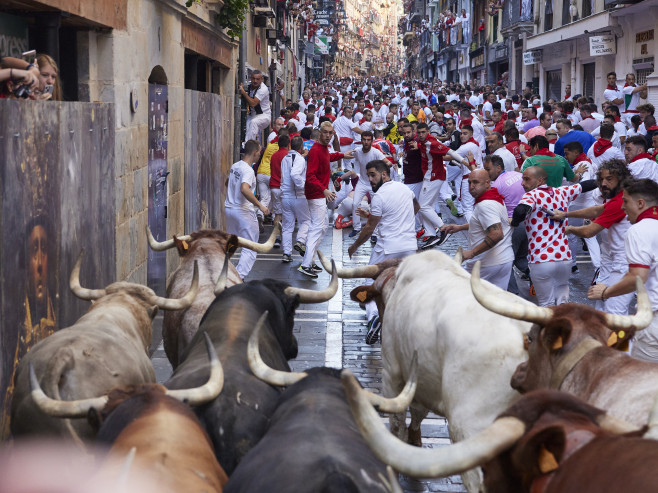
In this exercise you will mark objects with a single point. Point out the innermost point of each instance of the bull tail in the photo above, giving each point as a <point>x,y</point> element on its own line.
<point>62,362</point>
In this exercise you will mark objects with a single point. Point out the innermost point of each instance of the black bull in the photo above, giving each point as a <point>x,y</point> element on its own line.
<point>238,418</point>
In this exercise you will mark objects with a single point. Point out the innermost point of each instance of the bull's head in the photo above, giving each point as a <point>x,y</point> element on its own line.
<point>285,379</point>
<point>558,331</point>
<point>80,408</point>
<point>228,242</point>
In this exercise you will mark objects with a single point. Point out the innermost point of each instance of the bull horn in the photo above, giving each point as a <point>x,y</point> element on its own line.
<point>400,403</point>
<point>220,286</point>
<point>641,319</point>
<point>258,366</point>
<point>459,256</point>
<point>180,303</point>
<point>501,306</point>
<point>208,391</point>
<point>615,425</point>
<point>428,463</point>
<point>261,247</point>
<point>74,283</point>
<point>62,409</point>
<point>311,296</point>
<point>363,271</point>
<point>160,246</point>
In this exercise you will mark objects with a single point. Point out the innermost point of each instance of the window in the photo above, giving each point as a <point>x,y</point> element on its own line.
<point>589,75</point>
<point>587,8</point>
<point>566,17</point>
<point>548,15</point>
<point>553,85</point>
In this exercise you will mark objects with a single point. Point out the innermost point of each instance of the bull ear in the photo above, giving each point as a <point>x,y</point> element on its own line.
<point>556,335</point>
<point>181,245</point>
<point>231,245</point>
<point>619,339</point>
<point>364,294</point>
<point>539,453</point>
<point>94,418</point>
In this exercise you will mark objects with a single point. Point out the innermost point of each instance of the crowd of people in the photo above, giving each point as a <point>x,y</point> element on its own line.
<point>534,181</point>
<point>36,79</point>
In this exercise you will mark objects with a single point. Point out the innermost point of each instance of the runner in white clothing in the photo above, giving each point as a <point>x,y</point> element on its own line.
<point>470,151</point>
<point>392,212</point>
<point>639,160</point>
<point>241,203</point>
<point>258,100</point>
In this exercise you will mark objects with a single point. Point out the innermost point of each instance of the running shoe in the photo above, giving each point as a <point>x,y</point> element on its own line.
<point>453,208</point>
<point>300,248</point>
<point>374,329</point>
<point>307,271</point>
<point>277,243</point>
<point>443,237</point>
<point>373,240</point>
<point>575,269</point>
<point>316,268</point>
<point>420,233</point>
<point>286,258</point>
<point>355,232</point>
<point>429,242</point>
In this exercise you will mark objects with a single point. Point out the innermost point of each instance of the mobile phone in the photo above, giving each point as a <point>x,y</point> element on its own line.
<point>547,212</point>
<point>48,89</point>
<point>29,56</point>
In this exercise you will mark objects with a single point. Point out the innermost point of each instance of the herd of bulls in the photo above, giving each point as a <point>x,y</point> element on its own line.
<point>233,417</point>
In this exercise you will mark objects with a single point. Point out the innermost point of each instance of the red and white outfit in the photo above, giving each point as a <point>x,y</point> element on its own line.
<point>343,127</point>
<point>549,256</point>
<point>643,166</point>
<point>361,159</point>
<point>602,150</point>
<point>642,251</point>
<point>631,101</point>
<point>434,175</point>
<point>613,254</point>
<point>465,196</point>
<point>583,201</point>
<point>613,92</point>
<point>293,200</point>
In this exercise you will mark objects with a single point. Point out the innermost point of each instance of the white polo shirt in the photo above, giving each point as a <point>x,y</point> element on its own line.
<point>240,173</point>
<point>509,161</point>
<point>362,159</point>
<point>393,202</point>
<point>642,251</point>
<point>486,214</point>
<point>263,95</point>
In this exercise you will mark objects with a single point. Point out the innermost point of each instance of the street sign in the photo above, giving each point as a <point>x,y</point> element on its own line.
<point>321,45</point>
<point>322,22</point>
<point>602,45</point>
<point>531,57</point>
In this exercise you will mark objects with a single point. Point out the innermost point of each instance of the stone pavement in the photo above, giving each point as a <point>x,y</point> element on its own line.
<point>333,333</point>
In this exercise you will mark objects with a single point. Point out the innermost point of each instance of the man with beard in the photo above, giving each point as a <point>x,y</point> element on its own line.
<point>610,220</point>
<point>392,211</point>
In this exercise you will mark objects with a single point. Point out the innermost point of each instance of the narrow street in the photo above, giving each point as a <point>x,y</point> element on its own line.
<point>333,334</point>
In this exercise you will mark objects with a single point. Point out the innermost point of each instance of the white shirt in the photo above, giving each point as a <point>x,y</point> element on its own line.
<point>474,100</point>
<point>610,153</point>
<point>361,159</point>
<point>642,250</point>
<point>463,151</point>
<point>263,95</point>
<point>293,175</point>
<point>486,214</point>
<point>380,116</point>
<point>343,126</point>
<point>487,106</point>
<point>508,158</point>
<point>644,168</point>
<point>630,100</point>
<point>610,94</point>
<point>393,202</point>
<point>270,137</point>
<point>240,173</point>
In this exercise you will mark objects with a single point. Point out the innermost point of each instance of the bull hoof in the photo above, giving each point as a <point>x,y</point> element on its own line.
<point>415,438</point>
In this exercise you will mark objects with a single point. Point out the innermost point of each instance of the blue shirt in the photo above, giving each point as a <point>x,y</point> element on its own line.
<point>585,139</point>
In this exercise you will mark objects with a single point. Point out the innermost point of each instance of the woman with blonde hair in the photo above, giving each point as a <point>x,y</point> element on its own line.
<point>50,74</point>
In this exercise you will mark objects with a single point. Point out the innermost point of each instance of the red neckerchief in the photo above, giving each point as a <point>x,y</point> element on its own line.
<point>274,140</point>
<point>309,123</point>
<point>629,85</point>
<point>547,189</point>
<point>614,88</point>
<point>536,106</point>
<point>652,127</point>
<point>590,116</point>
<point>544,152</point>
<point>582,157</point>
<point>468,121</point>
<point>600,146</point>
<point>472,140</point>
<point>362,121</point>
<point>644,155</point>
<point>553,140</point>
<point>294,115</point>
<point>651,213</point>
<point>567,96</point>
<point>491,194</point>
<point>617,119</point>
<point>306,101</point>
<point>567,113</point>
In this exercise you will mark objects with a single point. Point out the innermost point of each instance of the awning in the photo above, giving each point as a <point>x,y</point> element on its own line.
<point>574,30</point>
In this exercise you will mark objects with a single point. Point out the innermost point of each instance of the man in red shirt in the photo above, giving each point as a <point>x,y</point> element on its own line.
<point>316,189</point>
<point>515,146</point>
<point>275,181</point>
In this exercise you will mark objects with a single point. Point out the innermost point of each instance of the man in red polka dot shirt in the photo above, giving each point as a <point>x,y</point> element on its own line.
<point>549,256</point>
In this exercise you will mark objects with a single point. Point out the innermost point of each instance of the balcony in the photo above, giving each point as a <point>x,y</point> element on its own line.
<point>408,36</point>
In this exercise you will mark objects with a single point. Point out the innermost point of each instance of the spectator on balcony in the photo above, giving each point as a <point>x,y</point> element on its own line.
<point>50,75</point>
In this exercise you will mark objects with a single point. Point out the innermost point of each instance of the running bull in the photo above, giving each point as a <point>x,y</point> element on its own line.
<point>107,347</point>
<point>238,418</point>
<point>312,443</point>
<point>548,441</point>
<point>207,248</point>
<point>466,355</point>
<point>569,349</point>
<point>154,424</point>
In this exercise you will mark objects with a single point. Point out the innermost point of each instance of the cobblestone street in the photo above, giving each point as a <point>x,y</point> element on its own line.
<point>333,333</point>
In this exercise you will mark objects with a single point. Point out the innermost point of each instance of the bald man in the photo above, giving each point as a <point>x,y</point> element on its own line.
<point>489,232</point>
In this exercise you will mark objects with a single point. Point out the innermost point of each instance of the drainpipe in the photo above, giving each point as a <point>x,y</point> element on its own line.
<point>240,109</point>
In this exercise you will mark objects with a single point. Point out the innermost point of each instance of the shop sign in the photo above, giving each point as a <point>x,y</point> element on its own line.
<point>602,45</point>
<point>531,57</point>
<point>501,52</point>
<point>321,45</point>
<point>13,35</point>
<point>644,36</point>
<point>477,61</point>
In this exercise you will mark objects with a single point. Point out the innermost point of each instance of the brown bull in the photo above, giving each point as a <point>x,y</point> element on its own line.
<point>105,348</point>
<point>568,349</point>
<point>168,439</point>
<point>547,442</point>
<point>208,248</point>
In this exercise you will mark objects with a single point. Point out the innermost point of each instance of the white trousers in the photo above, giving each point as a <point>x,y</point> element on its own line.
<point>551,282</point>
<point>294,208</point>
<point>276,201</point>
<point>453,173</point>
<point>416,188</point>
<point>347,163</point>
<point>467,200</point>
<point>255,124</point>
<point>243,223</point>
<point>359,192</point>
<point>428,197</point>
<point>377,255</point>
<point>592,243</point>
<point>496,274</point>
<point>263,184</point>
<point>611,274</point>
<point>645,342</point>
<point>317,209</point>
